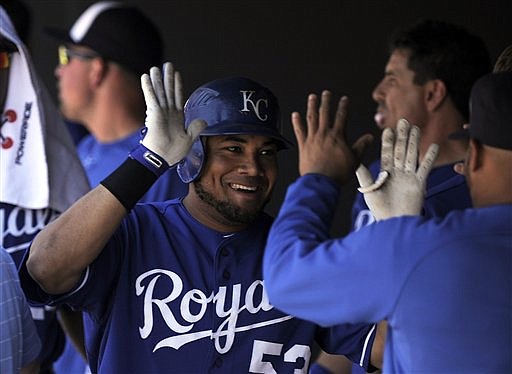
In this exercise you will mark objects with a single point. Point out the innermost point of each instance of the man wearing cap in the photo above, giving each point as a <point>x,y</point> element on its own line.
<point>443,284</point>
<point>177,286</point>
<point>101,59</point>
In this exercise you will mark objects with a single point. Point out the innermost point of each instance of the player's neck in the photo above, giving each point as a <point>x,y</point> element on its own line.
<point>110,126</point>
<point>449,151</point>
<point>437,131</point>
<point>491,181</point>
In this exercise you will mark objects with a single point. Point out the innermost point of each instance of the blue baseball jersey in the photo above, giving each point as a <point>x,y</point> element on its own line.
<point>169,295</point>
<point>100,159</point>
<point>18,228</point>
<point>446,190</point>
<point>443,284</point>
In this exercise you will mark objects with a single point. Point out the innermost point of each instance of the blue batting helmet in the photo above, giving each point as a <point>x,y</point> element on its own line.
<point>230,106</point>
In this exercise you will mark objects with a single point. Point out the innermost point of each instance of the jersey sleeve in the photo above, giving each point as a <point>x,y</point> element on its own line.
<point>351,340</point>
<point>92,289</point>
<point>332,281</point>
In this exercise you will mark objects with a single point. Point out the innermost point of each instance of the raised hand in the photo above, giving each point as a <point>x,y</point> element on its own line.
<point>323,148</point>
<point>166,135</point>
<point>400,186</point>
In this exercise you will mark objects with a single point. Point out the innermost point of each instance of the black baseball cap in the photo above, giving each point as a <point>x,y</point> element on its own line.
<point>490,119</point>
<point>117,32</point>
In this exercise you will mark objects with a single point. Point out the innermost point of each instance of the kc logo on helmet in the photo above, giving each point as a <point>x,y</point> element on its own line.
<point>256,105</point>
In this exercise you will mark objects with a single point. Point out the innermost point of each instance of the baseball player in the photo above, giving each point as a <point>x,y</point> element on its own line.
<point>177,286</point>
<point>427,80</point>
<point>442,284</point>
<point>434,64</point>
<point>101,58</point>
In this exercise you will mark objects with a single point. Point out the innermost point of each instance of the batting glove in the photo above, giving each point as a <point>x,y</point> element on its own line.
<point>166,141</point>
<point>400,186</point>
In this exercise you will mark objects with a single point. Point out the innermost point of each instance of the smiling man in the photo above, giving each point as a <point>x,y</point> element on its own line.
<point>177,286</point>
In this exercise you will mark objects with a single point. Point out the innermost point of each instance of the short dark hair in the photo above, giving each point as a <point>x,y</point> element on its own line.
<point>440,50</point>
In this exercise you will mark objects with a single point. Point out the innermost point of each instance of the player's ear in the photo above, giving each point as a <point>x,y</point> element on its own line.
<point>435,94</point>
<point>474,155</point>
<point>98,71</point>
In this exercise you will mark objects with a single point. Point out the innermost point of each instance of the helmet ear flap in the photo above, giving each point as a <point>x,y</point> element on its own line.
<point>190,167</point>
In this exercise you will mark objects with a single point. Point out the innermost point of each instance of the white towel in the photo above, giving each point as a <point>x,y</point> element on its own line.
<point>39,167</point>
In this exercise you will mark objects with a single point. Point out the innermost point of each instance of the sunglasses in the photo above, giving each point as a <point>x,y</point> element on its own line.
<point>66,54</point>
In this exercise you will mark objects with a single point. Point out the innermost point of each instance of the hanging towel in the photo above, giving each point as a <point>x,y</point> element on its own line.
<point>39,167</point>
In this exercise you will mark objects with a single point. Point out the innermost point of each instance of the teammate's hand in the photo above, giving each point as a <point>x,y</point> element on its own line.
<point>166,135</point>
<point>323,148</point>
<point>400,187</point>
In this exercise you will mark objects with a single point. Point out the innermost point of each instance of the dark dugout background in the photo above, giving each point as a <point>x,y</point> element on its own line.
<point>294,47</point>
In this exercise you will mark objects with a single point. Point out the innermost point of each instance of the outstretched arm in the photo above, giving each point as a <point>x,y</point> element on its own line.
<point>303,266</point>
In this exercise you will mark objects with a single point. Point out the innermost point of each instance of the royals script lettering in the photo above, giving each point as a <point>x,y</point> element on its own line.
<point>254,301</point>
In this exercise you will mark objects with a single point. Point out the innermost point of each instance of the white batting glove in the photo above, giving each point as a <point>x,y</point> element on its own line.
<point>400,186</point>
<point>166,135</point>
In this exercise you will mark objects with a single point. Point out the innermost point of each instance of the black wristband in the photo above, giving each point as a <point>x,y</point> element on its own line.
<point>129,182</point>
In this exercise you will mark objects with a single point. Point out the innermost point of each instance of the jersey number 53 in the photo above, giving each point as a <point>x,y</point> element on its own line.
<point>261,348</point>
